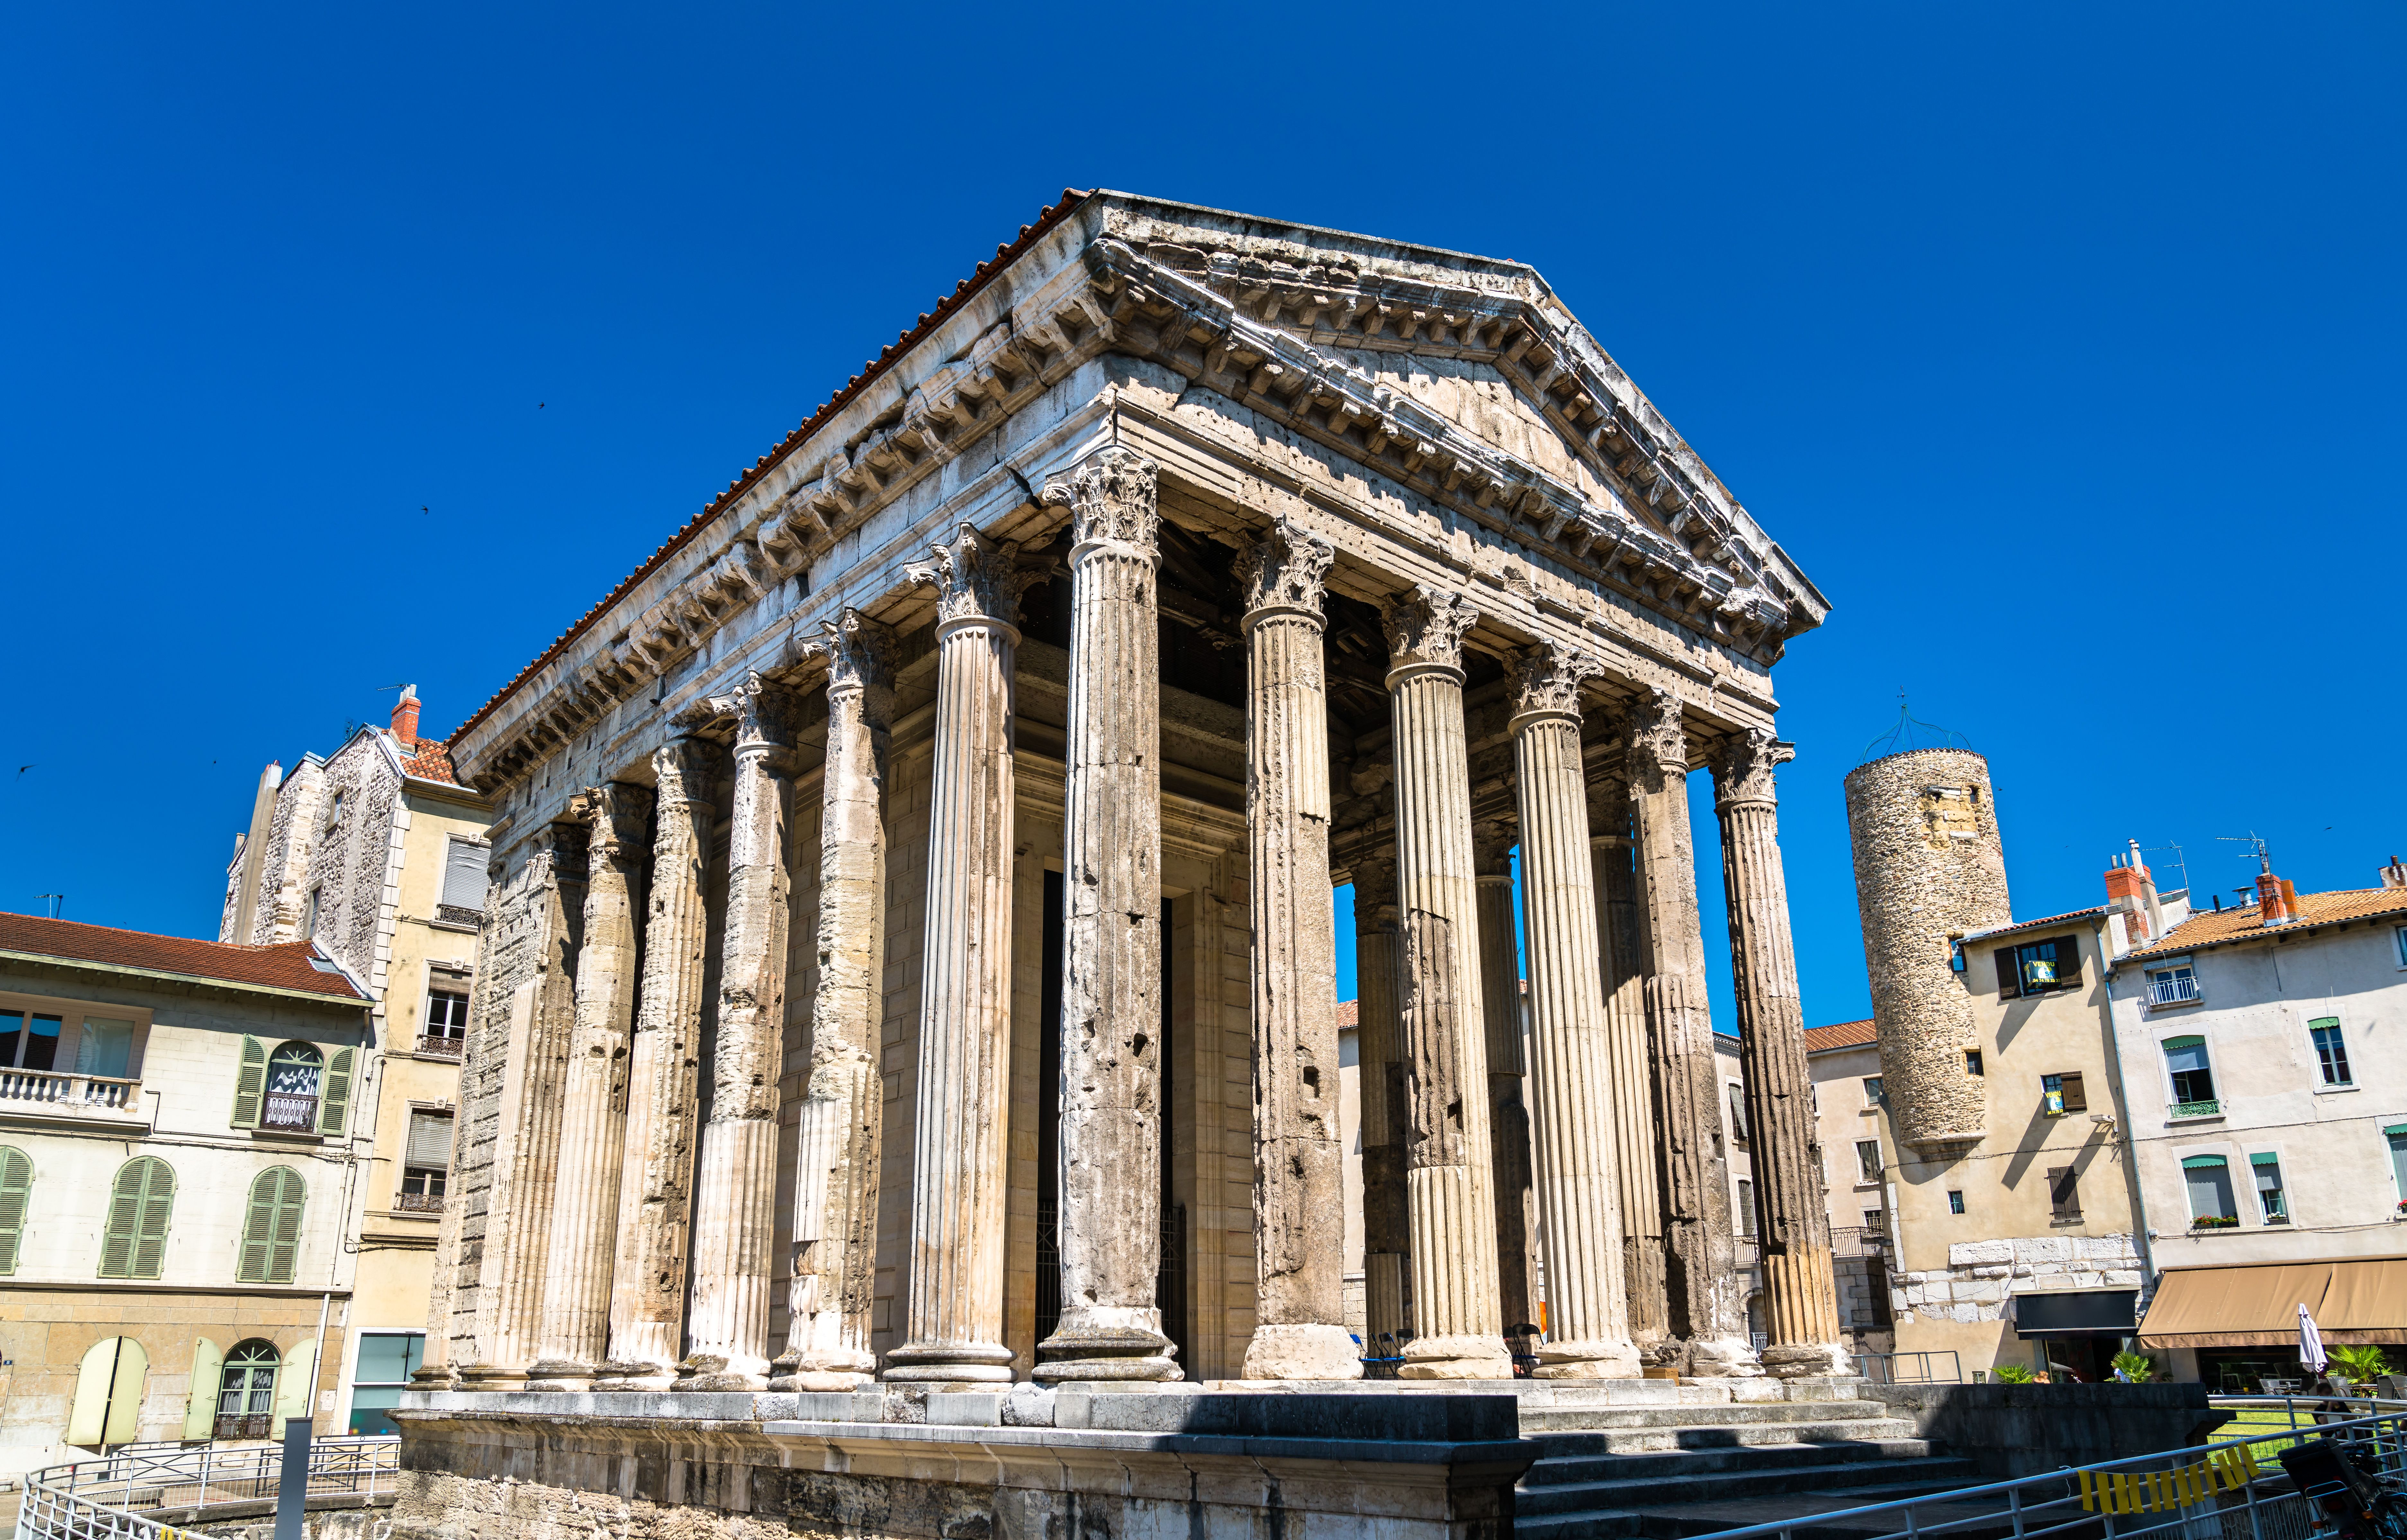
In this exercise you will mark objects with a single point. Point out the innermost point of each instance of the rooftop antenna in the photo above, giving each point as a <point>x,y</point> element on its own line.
<point>2256,847</point>
<point>1911,733</point>
<point>2178,860</point>
<point>58,901</point>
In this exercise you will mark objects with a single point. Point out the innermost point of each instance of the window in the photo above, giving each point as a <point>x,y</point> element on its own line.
<point>2062,1093</point>
<point>309,916</point>
<point>1745,1207</point>
<point>140,1203</point>
<point>2174,985</point>
<point>2208,1178</point>
<point>16,1192</point>
<point>2063,1192</point>
<point>1972,1062</point>
<point>426,1161</point>
<point>1955,1203</point>
<point>271,1233</point>
<point>296,1089</point>
<point>2038,967</point>
<point>105,1046</point>
<point>247,1390</point>
<point>447,1014</point>
<point>2401,934</point>
<point>1872,1090</point>
<point>1867,1161</point>
<point>2267,1169</point>
<point>1874,1222</point>
<point>28,1040</point>
<point>2331,1053</point>
<point>387,1360</point>
<point>1738,1111</point>
<point>2193,1083</point>
<point>2397,1134</point>
<point>464,880</point>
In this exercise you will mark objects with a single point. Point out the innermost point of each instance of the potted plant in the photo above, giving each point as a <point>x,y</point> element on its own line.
<point>2135,1368</point>
<point>2014,1374</point>
<point>2360,1366</point>
<point>2215,1222</point>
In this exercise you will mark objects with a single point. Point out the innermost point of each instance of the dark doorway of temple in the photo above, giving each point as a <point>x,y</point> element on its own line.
<point>1170,1275</point>
<point>1048,1116</point>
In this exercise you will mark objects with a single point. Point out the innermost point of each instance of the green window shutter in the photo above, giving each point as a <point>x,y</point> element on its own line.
<point>2264,1160</point>
<point>336,1102</point>
<point>125,1394</point>
<point>158,1208</point>
<point>16,1190</point>
<point>271,1233</point>
<point>2067,962</point>
<point>249,1083</point>
<point>296,1381</point>
<point>258,1225</point>
<point>2396,1128</point>
<point>201,1403</point>
<point>2204,1163</point>
<point>2170,1043</point>
<point>124,1218</point>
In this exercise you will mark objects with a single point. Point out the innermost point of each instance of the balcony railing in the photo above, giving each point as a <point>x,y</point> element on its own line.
<point>418,1203</point>
<point>435,1047</point>
<point>105,1092</point>
<point>2196,1109</point>
<point>286,1114</point>
<point>151,1492</point>
<point>453,914</point>
<point>2179,991</point>
<point>1859,1242</point>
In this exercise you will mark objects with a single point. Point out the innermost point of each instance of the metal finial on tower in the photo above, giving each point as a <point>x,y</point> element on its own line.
<point>1911,733</point>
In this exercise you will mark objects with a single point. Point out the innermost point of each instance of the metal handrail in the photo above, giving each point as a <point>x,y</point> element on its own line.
<point>2177,1489</point>
<point>114,1496</point>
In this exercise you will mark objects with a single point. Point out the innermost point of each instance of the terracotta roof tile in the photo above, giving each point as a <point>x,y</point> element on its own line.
<point>1821,1040</point>
<point>870,372</point>
<point>2090,913</point>
<point>2240,925</point>
<point>287,967</point>
<point>430,759</point>
<point>1349,1013</point>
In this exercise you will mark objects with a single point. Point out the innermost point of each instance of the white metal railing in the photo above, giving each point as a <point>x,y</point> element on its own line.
<point>2233,1489</point>
<point>118,1495</point>
<point>288,1114</point>
<point>2172,991</point>
<point>107,1091</point>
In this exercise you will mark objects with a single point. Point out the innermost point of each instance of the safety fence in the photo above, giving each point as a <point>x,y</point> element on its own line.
<point>138,1490</point>
<point>2234,1488</point>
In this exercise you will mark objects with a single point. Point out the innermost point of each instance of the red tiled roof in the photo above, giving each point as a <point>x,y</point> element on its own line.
<point>2240,925</point>
<point>285,967</point>
<point>2035,925</point>
<point>430,759</point>
<point>1819,1039</point>
<point>1349,1013</point>
<point>929,320</point>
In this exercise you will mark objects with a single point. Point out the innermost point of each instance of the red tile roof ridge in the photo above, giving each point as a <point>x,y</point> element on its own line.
<point>2222,927</point>
<point>2090,913</point>
<point>1046,220</point>
<point>286,967</point>
<point>1823,1040</point>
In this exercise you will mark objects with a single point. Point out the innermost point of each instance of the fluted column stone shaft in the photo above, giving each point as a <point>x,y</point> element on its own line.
<point>953,1321</point>
<point>1630,1100</point>
<point>1793,1228</point>
<point>593,1097</point>
<point>833,1275</point>
<point>1508,1115</point>
<point>1450,1178</point>
<point>1707,1299</point>
<point>1110,1225</point>
<point>656,1181</point>
<point>735,1202</point>
<point>1379,1080</point>
<point>1571,1080</point>
<point>1298,1160</point>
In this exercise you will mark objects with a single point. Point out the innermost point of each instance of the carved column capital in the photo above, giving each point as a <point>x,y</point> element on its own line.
<point>1743,767</point>
<point>1283,573</point>
<point>1658,739</point>
<point>1547,682</point>
<point>615,816</point>
<point>1113,496</point>
<point>1491,848</point>
<point>859,653</point>
<point>976,579</point>
<point>1425,630</point>
<point>687,769</point>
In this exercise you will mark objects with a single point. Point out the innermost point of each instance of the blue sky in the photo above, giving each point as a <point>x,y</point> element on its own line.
<point>2060,344</point>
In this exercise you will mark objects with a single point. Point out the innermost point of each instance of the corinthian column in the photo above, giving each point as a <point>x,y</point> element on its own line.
<point>1707,1305</point>
<point>1448,1183</point>
<point>593,1099</point>
<point>1299,1166</point>
<point>1801,1297</point>
<point>656,1188</point>
<point>1588,1335</point>
<point>1630,1099</point>
<point>1111,979</point>
<point>735,1205</point>
<point>1508,1116</point>
<point>1379,1078</point>
<point>835,1175</point>
<point>953,1324</point>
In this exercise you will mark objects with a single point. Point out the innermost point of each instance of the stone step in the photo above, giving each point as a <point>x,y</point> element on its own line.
<point>1571,1457</point>
<point>1538,1496</point>
<point>1724,1434</point>
<point>1545,1419</point>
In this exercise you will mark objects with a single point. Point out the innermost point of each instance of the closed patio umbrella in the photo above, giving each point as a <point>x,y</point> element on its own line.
<point>2311,1343</point>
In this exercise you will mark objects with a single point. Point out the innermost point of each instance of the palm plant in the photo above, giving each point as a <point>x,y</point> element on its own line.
<point>2137,1368</point>
<point>2360,1363</point>
<point>2013,1374</point>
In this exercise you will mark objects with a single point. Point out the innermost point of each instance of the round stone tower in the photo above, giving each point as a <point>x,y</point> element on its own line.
<point>1928,868</point>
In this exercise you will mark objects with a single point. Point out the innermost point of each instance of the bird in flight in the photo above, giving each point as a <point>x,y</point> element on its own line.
<point>23,768</point>
<point>538,406</point>
<point>422,507</point>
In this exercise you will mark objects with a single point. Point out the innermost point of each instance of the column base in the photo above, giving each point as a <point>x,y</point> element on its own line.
<point>1722,1357</point>
<point>489,1376</point>
<point>1799,1360</point>
<point>617,1376</point>
<point>1587,1360</point>
<point>713,1372</point>
<point>948,1364</point>
<point>1107,1344</point>
<point>1302,1352</point>
<point>1456,1357</point>
<point>560,1374</point>
<point>823,1369</point>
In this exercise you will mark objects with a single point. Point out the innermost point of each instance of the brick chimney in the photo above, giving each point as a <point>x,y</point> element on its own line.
<point>2132,892</point>
<point>404,715</point>
<point>2277,901</point>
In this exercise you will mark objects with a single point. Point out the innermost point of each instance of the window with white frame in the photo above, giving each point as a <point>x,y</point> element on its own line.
<point>426,1160</point>
<point>2401,935</point>
<point>2209,1180</point>
<point>464,863</point>
<point>1745,1207</point>
<point>2266,1168</point>
<point>2174,986</point>
<point>2396,1135</point>
<point>1872,1090</point>
<point>445,1032</point>
<point>1738,1111</point>
<point>2190,1077</point>
<point>2332,1051</point>
<point>1868,1162</point>
<point>386,1361</point>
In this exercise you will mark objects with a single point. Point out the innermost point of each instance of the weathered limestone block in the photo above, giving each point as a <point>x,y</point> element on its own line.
<point>1299,1173</point>
<point>656,1186</point>
<point>1572,1081</point>
<point>1708,1313</point>
<point>1111,984</point>
<point>836,1185</point>
<point>1621,952</point>
<point>954,1314</point>
<point>736,1219</point>
<point>1793,1228</point>
<point>1449,1177</point>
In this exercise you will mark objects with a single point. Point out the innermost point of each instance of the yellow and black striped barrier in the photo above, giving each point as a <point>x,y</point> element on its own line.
<point>2161,1491</point>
